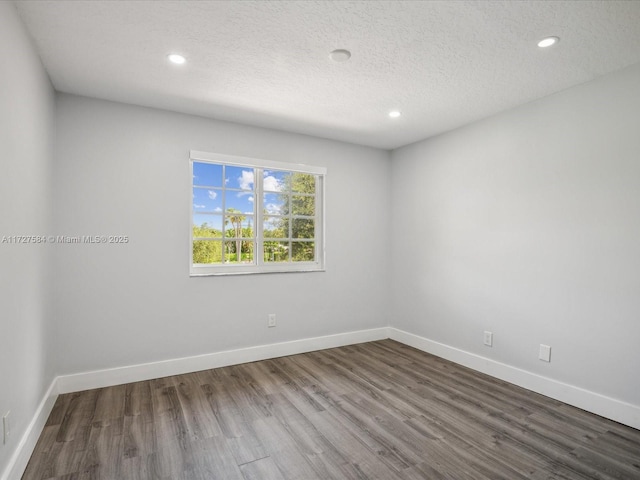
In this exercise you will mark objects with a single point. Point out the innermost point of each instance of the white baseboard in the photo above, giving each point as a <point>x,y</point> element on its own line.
<point>20,458</point>
<point>178,366</point>
<point>116,376</point>
<point>611,408</point>
<point>602,405</point>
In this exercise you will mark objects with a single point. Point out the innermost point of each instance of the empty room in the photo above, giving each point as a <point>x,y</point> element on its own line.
<point>319,240</point>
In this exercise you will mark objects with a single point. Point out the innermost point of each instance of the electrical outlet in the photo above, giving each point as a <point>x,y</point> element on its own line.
<point>272,320</point>
<point>6,428</point>
<point>488,338</point>
<point>545,353</point>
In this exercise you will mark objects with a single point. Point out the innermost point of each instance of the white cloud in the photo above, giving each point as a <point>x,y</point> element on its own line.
<point>273,208</point>
<point>195,205</point>
<point>271,223</point>
<point>271,183</point>
<point>251,199</point>
<point>217,209</point>
<point>246,180</point>
<point>212,194</point>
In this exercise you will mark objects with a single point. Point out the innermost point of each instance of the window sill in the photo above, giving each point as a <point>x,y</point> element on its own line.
<point>240,270</point>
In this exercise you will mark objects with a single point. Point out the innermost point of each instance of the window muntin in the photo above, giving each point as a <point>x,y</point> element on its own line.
<point>255,216</point>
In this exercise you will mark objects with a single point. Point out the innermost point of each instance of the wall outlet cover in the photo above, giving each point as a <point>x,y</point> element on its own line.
<point>545,353</point>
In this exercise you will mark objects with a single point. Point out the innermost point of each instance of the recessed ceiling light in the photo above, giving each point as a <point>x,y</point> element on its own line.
<point>394,114</point>
<point>340,55</point>
<point>177,59</point>
<point>548,42</point>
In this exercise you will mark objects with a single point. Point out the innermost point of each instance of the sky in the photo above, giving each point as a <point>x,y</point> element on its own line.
<point>216,187</point>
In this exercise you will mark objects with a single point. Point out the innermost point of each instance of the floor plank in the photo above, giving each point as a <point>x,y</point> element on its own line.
<point>378,410</point>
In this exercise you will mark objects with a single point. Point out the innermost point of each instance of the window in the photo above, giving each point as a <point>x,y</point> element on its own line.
<point>255,216</point>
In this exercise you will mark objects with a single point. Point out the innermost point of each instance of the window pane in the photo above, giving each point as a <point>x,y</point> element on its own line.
<point>238,251</point>
<point>207,225</point>
<point>303,205</point>
<point>207,174</point>
<point>302,228</point>
<point>302,251</point>
<point>275,181</point>
<point>207,200</point>
<point>207,251</point>
<point>239,177</point>
<point>274,203</point>
<point>303,183</point>
<point>248,249</point>
<point>240,226</point>
<point>239,202</point>
<point>276,252</point>
<point>275,227</point>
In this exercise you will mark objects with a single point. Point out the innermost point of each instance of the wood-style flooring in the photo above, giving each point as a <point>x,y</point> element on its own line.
<point>377,410</point>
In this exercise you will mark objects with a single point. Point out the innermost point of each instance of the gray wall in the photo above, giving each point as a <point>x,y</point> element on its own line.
<point>26,152</point>
<point>528,224</point>
<point>124,170</point>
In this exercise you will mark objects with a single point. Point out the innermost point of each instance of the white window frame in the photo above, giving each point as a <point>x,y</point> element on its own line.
<point>259,266</point>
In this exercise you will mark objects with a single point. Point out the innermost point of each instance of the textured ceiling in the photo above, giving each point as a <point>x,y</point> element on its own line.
<point>266,63</point>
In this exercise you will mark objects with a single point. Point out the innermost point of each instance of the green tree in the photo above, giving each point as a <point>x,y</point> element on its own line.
<point>206,251</point>
<point>248,245</point>
<point>235,217</point>
<point>298,209</point>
